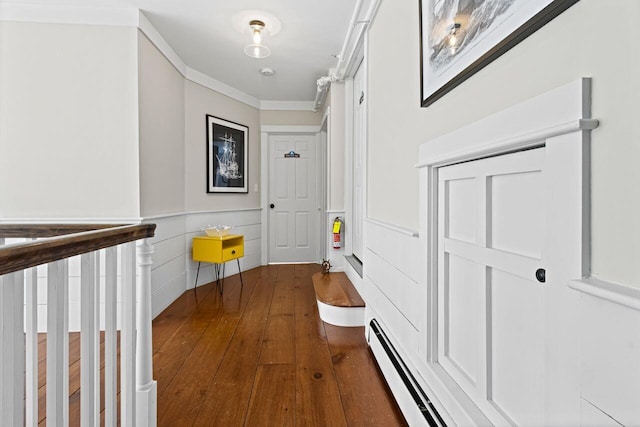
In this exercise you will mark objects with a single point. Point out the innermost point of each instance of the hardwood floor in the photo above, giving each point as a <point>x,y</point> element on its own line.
<point>260,356</point>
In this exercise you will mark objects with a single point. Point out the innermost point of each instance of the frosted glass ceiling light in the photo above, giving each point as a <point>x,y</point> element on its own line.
<point>255,48</point>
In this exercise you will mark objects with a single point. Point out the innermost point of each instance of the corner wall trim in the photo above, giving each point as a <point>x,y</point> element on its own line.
<point>628,296</point>
<point>392,227</point>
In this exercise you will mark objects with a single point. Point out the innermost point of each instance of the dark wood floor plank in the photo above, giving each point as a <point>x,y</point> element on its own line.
<point>278,344</point>
<point>318,400</point>
<point>170,357</point>
<point>187,389</point>
<point>273,399</point>
<point>362,386</point>
<point>256,355</point>
<point>172,317</point>
<point>228,394</point>
<point>185,393</point>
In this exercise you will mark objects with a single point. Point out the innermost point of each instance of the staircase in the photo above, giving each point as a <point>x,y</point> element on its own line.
<point>338,301</point>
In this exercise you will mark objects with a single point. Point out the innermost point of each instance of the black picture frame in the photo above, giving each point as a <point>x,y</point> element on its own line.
<point>456,44</point>
<point>227,156</point>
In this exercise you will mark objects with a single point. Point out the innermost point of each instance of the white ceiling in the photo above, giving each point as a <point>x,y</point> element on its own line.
<point>206,35</point>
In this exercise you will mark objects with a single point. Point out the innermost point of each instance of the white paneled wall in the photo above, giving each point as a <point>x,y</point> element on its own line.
<point>610,353</point>
<point>173,271</point>
<point>246,222</point>
<point>391,286</point>
<point>168,278</point>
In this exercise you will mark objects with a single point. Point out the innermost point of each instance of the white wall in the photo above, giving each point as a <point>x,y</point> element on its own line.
<point>68,122</point>
<point>289,118</point>
<point>578,43</point>
<point>336,139</point>
<point>161,113</point>
<point>200,101</point>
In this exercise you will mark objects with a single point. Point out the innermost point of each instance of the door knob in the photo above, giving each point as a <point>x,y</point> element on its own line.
<point>541,275</point>
<point>272,206</point>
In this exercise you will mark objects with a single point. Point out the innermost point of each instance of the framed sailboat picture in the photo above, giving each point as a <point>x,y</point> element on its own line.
<point>227,144</point>
<point>460,37</point>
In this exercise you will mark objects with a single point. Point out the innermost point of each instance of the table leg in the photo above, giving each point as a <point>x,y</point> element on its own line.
<point>240,272</point>
<point>195,286</point>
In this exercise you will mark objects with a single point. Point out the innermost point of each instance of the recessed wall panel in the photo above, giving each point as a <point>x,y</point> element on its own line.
<point>302,230</point>
<point>517,206</point>
<point>517,335</point>
<point>302,178</point>
<point>280,175</point>
<point>282,229</point>
<point>461,202</point>
<point>461,305</point>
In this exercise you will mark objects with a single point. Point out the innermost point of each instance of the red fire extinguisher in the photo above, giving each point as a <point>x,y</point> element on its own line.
<point>337,226</point>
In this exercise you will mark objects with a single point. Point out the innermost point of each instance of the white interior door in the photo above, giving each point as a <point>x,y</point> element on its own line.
<point>293,214</point>
<point>359,134</point>
<point>493,308</point>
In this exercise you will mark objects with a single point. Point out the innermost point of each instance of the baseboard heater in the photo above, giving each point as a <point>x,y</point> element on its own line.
<point>420,398</point>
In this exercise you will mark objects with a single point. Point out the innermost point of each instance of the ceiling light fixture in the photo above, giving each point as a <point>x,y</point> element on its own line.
<point>255,47</point>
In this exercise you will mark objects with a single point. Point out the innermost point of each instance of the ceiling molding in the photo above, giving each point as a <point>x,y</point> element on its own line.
<point>189,73</point>
<point>287,105</point>
<point>131,17</point>
<point>290,129</point>
<point>223,88</point>
<point>160,43</point>
<point>64,14</point>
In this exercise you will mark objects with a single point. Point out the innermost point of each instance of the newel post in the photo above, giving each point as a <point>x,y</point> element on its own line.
<point>146,387</point>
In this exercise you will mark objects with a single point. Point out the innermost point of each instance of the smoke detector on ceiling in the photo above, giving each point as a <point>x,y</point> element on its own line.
<point>267,71</point>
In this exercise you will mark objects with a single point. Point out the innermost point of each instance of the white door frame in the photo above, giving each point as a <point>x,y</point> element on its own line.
<point>324,172</point>
<point>552,119</point>
<point>359,58</point>
<point>265,133</point>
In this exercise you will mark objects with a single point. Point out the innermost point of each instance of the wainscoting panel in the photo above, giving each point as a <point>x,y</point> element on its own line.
<point>168,268</point>
<point>391,280</point>
<point>245,222</point>
<point>610,352</point>
<point>399,289</point>
<point>173,271</point>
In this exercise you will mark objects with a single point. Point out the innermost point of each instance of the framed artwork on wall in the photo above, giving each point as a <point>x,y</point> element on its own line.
<point>227,145</point>
<point>460,37</point>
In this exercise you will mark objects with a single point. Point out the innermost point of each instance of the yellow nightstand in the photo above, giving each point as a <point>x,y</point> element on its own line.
<point>218,250</point>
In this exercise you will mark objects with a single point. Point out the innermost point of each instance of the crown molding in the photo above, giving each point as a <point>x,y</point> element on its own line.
<point>213,84</point>
<point>287,105</point>
<point>66,14</point>
<point>132,17</point>
<point>160,43</point>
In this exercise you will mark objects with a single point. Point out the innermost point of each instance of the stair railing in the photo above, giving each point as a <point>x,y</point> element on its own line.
<point>52,246</point>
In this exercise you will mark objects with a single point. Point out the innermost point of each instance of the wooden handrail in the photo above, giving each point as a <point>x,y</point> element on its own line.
<point>20,256</point>
<point>48,230</point>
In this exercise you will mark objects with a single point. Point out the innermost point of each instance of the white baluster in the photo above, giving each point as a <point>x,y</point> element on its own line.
<point>146,387</point>
<point>110,337</point>
<point>32,346</point>
<point>89,343</point>
<point>127,336</point>
<point>58,344</point>
<point>12,349</point>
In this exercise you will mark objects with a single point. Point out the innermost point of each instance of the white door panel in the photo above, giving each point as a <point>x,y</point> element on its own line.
<point>359,135</point>
<point>491,308</point>
<point>292,186</point>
